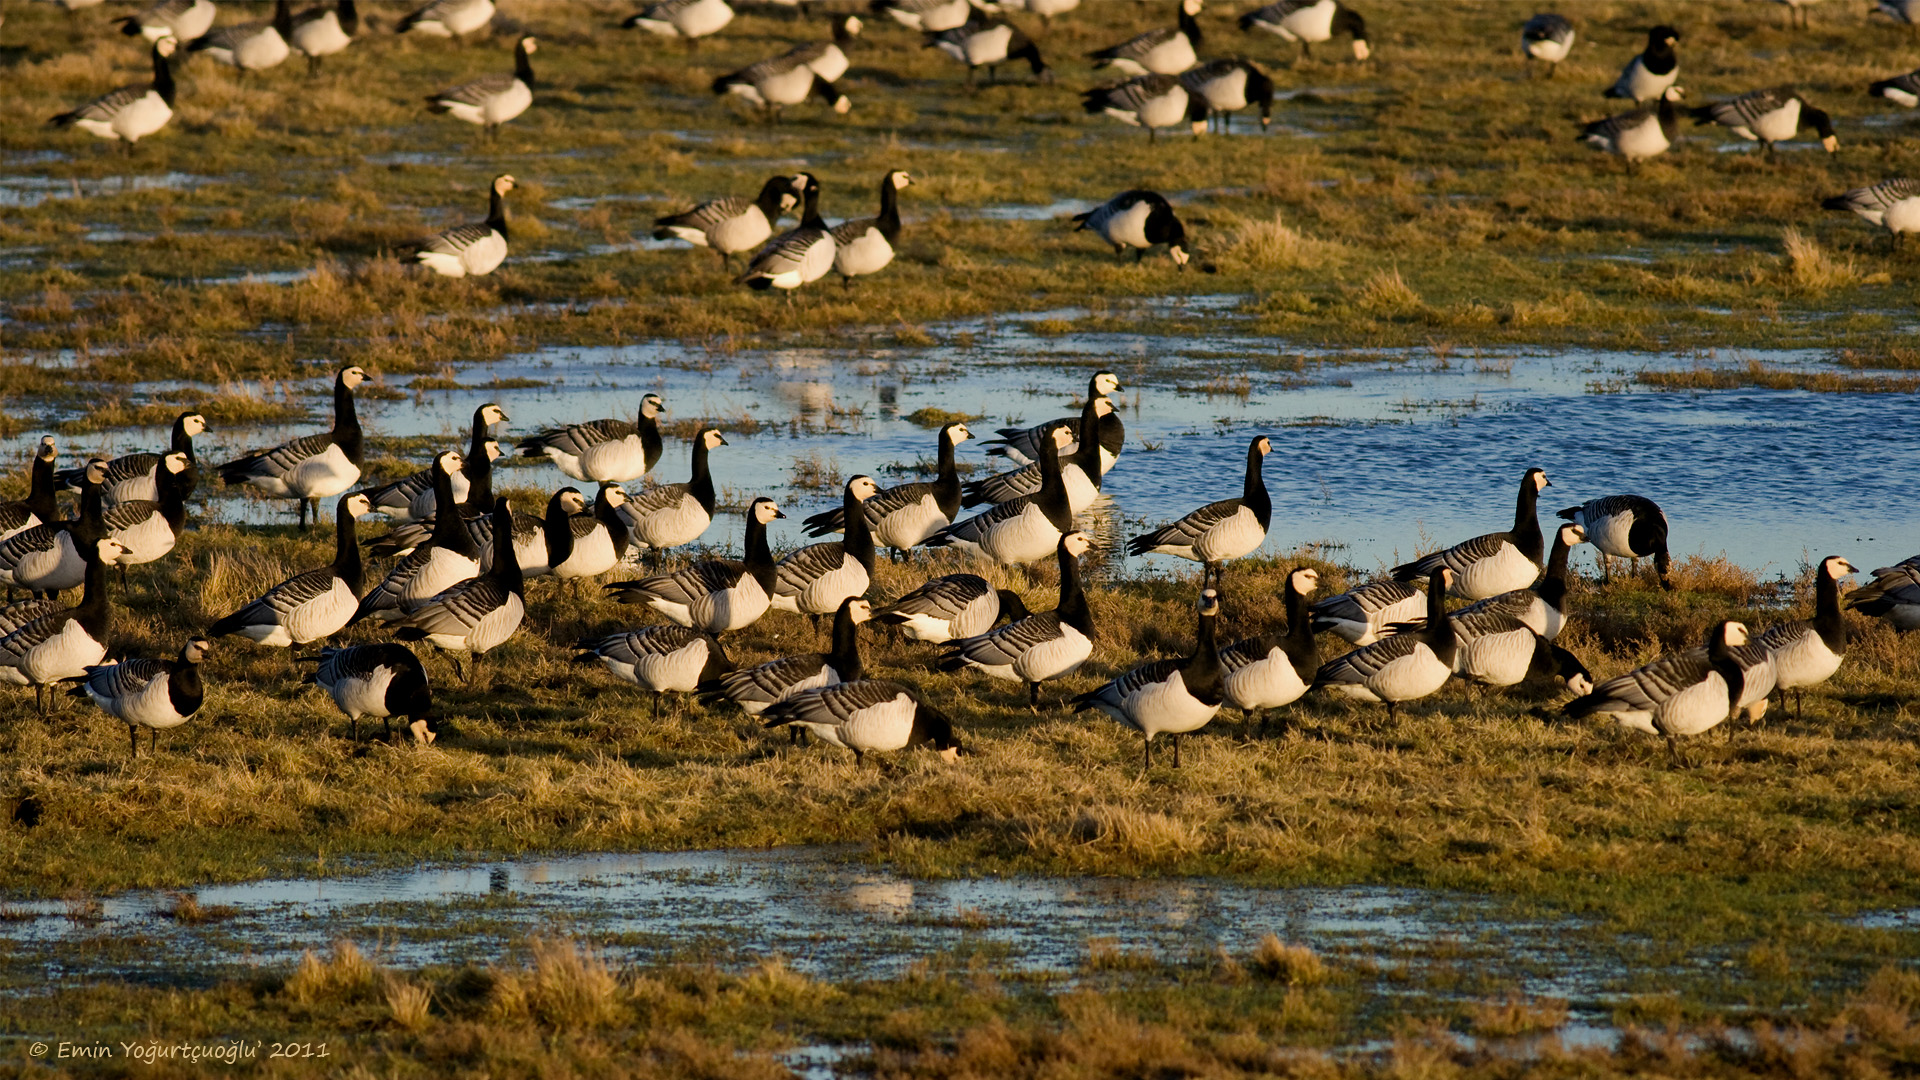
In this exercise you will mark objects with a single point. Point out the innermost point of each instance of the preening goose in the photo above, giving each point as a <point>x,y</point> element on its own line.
<point>1635,136</point>
<point>674,514</point>
<point>798,256</point>
<point>1808,653</point>
<point>1227,86</point>
<point>865,245</point>
<point>1651,74</point>
<point>1079,471</point>
<point>152,694</point>
<point>1492,563</point>
<point>1218,531</point>
<point>1310,22</point>
<point>1404,666</point>
<point>757,688</point>
<point>787,79</point>
<point>149,529</point>
<point>383,680</point>
<point>1166,51</point>
<point>1680,694</point>
<point>868,716</point>
<point>1149,101</point>
<point>181,20</point>
<point>314,467</point>
<point>1903,90</point>
<point>1892,204</point>
<point>927,15</point>
<point>1138,219</point>
<point>448,557</point>
<point>478,614</point>
<point>1768,117</point>
<point>1542,608</point>
<point>1892,595</point>
<point>1172,697</point>
<point>715,596</point>
<point>448,18</point>
<point>1548,38</point>
<point>493,100</point>
<point>814,579</point>
<point>954,606</point>
<point>309,606</point>
<point>903,517</point>
<point>413,498</point>
<point>1275,669</point>
<point>1024,529</point>
<point>130,113</point>
<point>1364,615</point>
<point>658,658</point>
<point>733,224</point>
<point>988,43</point>
<point>62,644</point>
<point>471,250</point>
<point>135,476</point>
<point>582,542</point>
<point>250,46</point>
<point>1036,648</point>
<point>39,508</point>
<point>320,32</point>
<point>600,450</point>
<point>1624,527</point>
<point>51,557</point>
<point>1023,444</point>
<point>689,20</point>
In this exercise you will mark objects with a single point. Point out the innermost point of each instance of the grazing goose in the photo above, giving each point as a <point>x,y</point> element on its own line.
<point>478,614</point>
<point>1310,22</point>
<point>1046,9</point>
<point>250,46</point>
<point>447,558</point>
<point>675,514</point>
<point>1493,563</point>
<point>689,20</point>
<point>1166,51</point>
<point>601,450</point>
<point>384,680</point>
<point>757,688</point>
<point>135,476</point>
<point>1137,219</point>
<point>954,606</point>
<point>1079,471</point>
<point>181,20</point>
<point>413,497</point>
<point>1023,444</point>
<point>814,579</point>
<point>733,224</point>
<point>1651,74</point>
<point>1364,615</point>
<point>865,245</point>
<point>988,43</point>
<point>1892,204</point>
<point>798,256</point>
<point>314,467</point>
<point>448,18</point>
<point>309,606</point>
<point>1024,529</point>
<point>1542,607</point>
<point>1036,648</point>
<point>828,59</point>
<point>931,16</point>
<point>1170,696</point>
<point>787,79</point>
<point>1635,136</point>
<point>151,694</point>
<point>320,32</point>
<point>471,250</point>
<point>1548,38</point>
<point>51,557</point>
<point>903,517</point>
<point>1892,595</point>
<point>1808,653</point>
<point>1684,693</point>
<point>149,529</point>
<point>1768,117</point>
<point>1625,527</point>
<point>62,644</point>
<point>1496,649</point>
<point>1220,530</point>
<point>493,100</point>
<point>1275,669</point>
<point>1149,101</point>
<point>1902,90</point>
<point>39,508</point>
<point>583,543</point>
<point>1227,86</point>
<point>867,716</point>
<point>1404,666</point>
<point>658,658</point>
<point>715,596</point>
<point>130,113</point>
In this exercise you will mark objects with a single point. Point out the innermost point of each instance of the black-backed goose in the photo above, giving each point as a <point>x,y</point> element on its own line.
<point>320,32</point>
<point>62,644</point>
<point>775,83</point>
<point>1023,444</point>
<point>1891,204</point>
<point>149,528</point>
<point>865,245</point>
<point>478,614</point>
<point>1902,90</point>
<point>39,507</point>
<point>814,579</point>
<point>1542,608</point>
<point>1892,595</point>
<point>181,20</point>
<point>1310,22</point>
<point>757,688</point>
<point>988,43</point>
<point>733,224</point>
<point>1140,220</point>
<point>868,716</point>
<point>1646,132</point>
<point>589,542</point>
<point>658,658</point>
<point>135,476</point>
<point>689,20</point>
<point>954,606</point>
<point>1364,615</point>
<point>471,250</point>
<point>384,680</point>
<point>412,497</point>
<point>152,694</point>
<point>1624,527</point>
<point>674,514</point>
<point>493,100</point>
<point>1275,669</point>
<point>1171,697</point>
<point>1149,101</point>
<point>1768,117</point>
<point>1808,653</point>
<point>903,517</point>
<point>1227,86</point>
<point>926,15</point>
<point>1021,530</point>
<point>1492,563</point>
<point>1036,648</point>
<point>1079,471</point>
<point>314,467</point>
<point>130,113</point>
<point>1222,530</point>
<point>1403,667</point>
<point>1548,38</point>
<point>448,18</point>
<point>715,596</point>
<point>51,557</point>
<point>1651,74</point>
<point>309,606</point>
<point>250,46</point>
<point>1166,51</point>
<point>1680,694</point>
<point>801,255</point>
<point>600,450</point>
<point>448,557</point>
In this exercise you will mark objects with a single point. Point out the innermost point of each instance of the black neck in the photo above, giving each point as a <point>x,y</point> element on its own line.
<point>840,35</point>
<point>1052,496</point>
<point>1721,657</point>
<point>94,611</point>
<point>1553,588</point>
<point>858,538</point>
<point>1826,612</point>
<point>283,19</point>
<point>162,76</point>
<point>182,443</point>
<point>522,65</point>
<point>946,485</point>
<point>770,195</point>
<point>1439,629</point>
<point>185,691</point>
<point>92,523</point>
<point>608,515</point>
<point>1189,26</point>
<point>449,530</point>
<point>1669,118</point>
<point>650,442</point>
<point>1253,494</point>
<point>478,469</point>
<point>559,529</point>
<point>1073,609</point>
<point>1029,52</point>
<point>173,489</point>
<point>349,17</point>
<point>1347,21</point>
<point>497,213</point>
<point>759,557</point>
<point>1526,520</point>
<point>889,219</point>
<point>700,486</point>
<point>1299,624</point>
<point>1087,454</point>
<point>346,422</point>
<point>346,550</point>
<point>40,498</point>
<point>1202,671</point>
<point>810,209</point>
<point>506,565</point>
<point>845,653</point>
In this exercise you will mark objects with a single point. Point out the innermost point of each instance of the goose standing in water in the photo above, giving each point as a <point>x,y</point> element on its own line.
<point>1403,667</point>
<point>1680,694</point>
<point>715,596</point>
<point>471,250</point>
<point>662,659</point>
<point>1037,648</point>
<point>152,694</point>
<point>310,606</point>
<point>903,517</point>
<point>130,113</point>
<point>733,224</point>
<point>1079,471</point>
<point>136,476</point>
<point>312,468</point>
<point>1808,653</point>
<point>1275,669</point>
<point>674,514</point>
<point>1493,563</point>
<point>39,507</point>
<point>950,607</point>
<point>601,450</point>
<point>1023,444</point>
<point>62,644</point>
<point>478,614</point>
<point>1171,697</point>
<point>1218,531</point>
<point>865,245</point>
<point>384,680</point>
<point>868,716</point>
<point>413,498</point>
<point>1625,527</point>
<point>1024,529</point>
<point>813,580</point>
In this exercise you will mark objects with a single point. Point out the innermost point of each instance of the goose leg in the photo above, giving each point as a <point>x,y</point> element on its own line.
<point>1149,765</point>
<point>153,741</point>
<point>40,699</point>
<point>1176,751</point>
<point>133,736</point>
<point>656,706</point>
<point>1033,697</point>
<point>1393,712</point>
<point>355,721</point>
<point>386,728</point>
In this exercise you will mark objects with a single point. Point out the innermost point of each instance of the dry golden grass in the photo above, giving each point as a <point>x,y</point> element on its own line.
<point>346,976</point>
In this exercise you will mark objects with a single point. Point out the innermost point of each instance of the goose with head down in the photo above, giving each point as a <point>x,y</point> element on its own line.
<point>384,680</point>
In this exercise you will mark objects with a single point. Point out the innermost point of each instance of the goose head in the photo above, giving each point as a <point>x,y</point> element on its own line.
<point>1105,382</point>
<point>1304,581</point>
<point>652,405</point>
<point>193,424</point>
<point>1260,447</point>
<point>166,46</point>
<point>356,504</point>
<point>1538,478</point>
<point>1730,634</point>
<point>1663,35</point>
<point>175,462</point>
<point>48,451</point>
<point>1580,684</point>
<point>571,500</point>
<point>1835,567</point>
<point>613,495</point>
<point>108,551</point>
<point>862,488</point>
<point>491,414</point>
<point>1062,436</point>
<point>493,449</point>
<point>1209,604</point>
<point>955,433</point>
<point>711,438</point>
<point>529,44</point>
<point>352,376</point>
<point>1674,93</point>
<point>1571,534</point>
<point>503,184</point>
<point>804,181</point>
<point>1191,7</point>
<point>848,28</point>
<point>859,609</point>
<point>764,510</point>
<point>1102,407</point>
<point>195,650</point>
<point>900,180</point>
<point>97,471</point>
<point>1076,544</point>
<point>448,462</point>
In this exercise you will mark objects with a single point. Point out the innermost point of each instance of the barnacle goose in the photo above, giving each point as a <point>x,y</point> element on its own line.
<point>814,579</point>
<point>1892,204</point>
<point>1220,530</point>
<point>1166,51</point>
<point>1275,669</point>
<point>732,224</point>
<point>1493,563</point>
<point>1036,648</point>
<point>1494,648</point>
<point>1808,653</point>
<point>798,256</point>
<point>1542,608</point>
<point>39,508</point>
<point>868,716</point>
<point>674,514</point>
<point>320,32</point>
<point>1365,615</point>
<point>1079,471</point>
<point>1906,12</point>
<point>689,20</point>
<point>494,99</point>
<point>988,43</point>
<point>903,517</point>
<point>1149,101</point>
<point>1893,595</point>
<point>954,606</point>
<point>1652,73</point>
<point>787,79</point>
<point>182,20</point>
<point>384,680</point>
<point>135,476</point>
<point>151,694</point>
<point>1401,667</point>
<point>480,613</point>
<point>471,250</point>
<point>314,467</point>
<point>308,606</point>
<point>1310,22</point>
<point>603,449</point>
<point>715,596</point>
<point>1046,9</point>
<point>1138,219</point>
<point>413,497</point>
<point>448,18</point>
<point>828,59</point>
<point>1683,693</point>
<point>51,557</point>
<point>250,46</point>
<point>1625,527</point>
<point>756,688</point>
<point>865,245</point>
<point>149,529</point>
<point>927,15</point>
<point>1768,117</point>
<point>1635,136</point>
<point>1547,37</point>
<point>1023,444</point>
<point>61,644</point>
<point>1901,89</point>
<point>1024,529</point>
<point>132,112</point>
<point>590,542</point>
<point>1170,696</point>
<point>658,658</point>
<point>1227,86</point>
<point>448,557</point>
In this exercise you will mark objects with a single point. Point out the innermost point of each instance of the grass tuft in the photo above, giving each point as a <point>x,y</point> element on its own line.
<point>346,976</point>
<point>568,986</point>
<point>1295,965</point>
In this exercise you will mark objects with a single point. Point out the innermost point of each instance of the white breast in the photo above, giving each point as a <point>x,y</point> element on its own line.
<point>151,706</point>
<point>592,554</point>
<point>1229,91</point>
<point>1028,538</point>
<point>321,37</point>
<point>1609,533</point>
<point>1779,125</point>
<point>823,594</point>
<point>496,626</point>
<point>831,64</point>
<point>323,475</point>
<point>1170,57</point>
<point>1504,571</point>
<point>51,569</point>
<point>135,122</point>
<point>1167,110</point>
<point>1500,659</point>
<point>443,570</point>
<point>1266,683</point>
<point>1903,216</point>
<point>1806,661</point>
<point>788,87</point>
<point>261,51</point>
<point>147,541</point>
<point>745,232</point>
<point>1052,659</point>
<point>885,726</point>
<point>1549,50</point>
<point>868,253</point>
<point>989,46</point>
